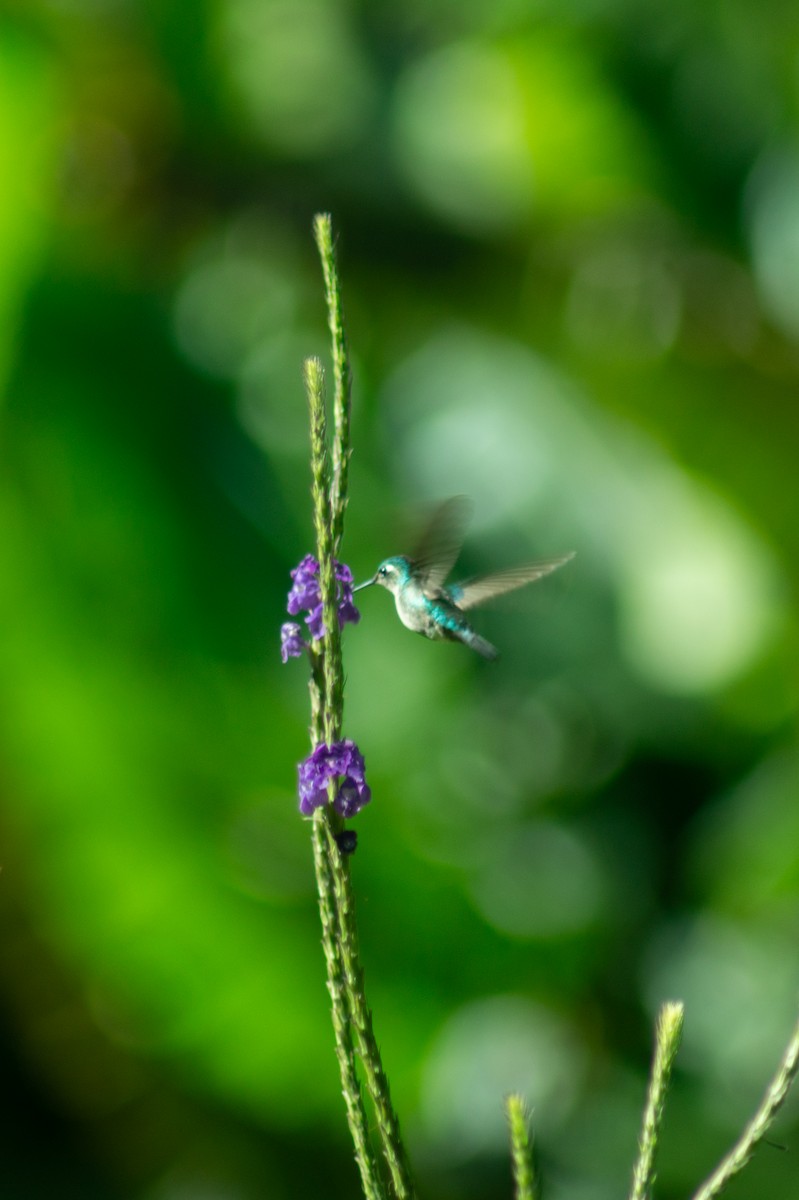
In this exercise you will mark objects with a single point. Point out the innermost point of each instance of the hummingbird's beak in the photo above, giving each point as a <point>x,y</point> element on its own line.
<point>368,583</point>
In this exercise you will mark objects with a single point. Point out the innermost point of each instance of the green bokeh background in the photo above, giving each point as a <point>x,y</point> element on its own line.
<point>569,239</point>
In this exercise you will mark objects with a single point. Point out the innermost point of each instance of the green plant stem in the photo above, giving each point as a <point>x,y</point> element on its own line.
<point>667,1041</point>
<point>376,1080</point>
<point>322,690</point>
<point>521,1148</point>
<point>352,1018</point>
<point>342,375</point>
<point>336,983</point>
<point>757,1128</point>
<point>332,672</point>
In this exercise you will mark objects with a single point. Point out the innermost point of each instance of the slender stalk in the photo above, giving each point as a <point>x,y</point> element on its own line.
<point>323,726</point>
<point>667,1041</point>
<point>316,687</point>
<point>342,375</point>
<point>336,983</point>
<point>332,669</point>
<point>757,1128</point>
<point>376,1080</point>
<point>521,1148</point>
<point>352,1018</point>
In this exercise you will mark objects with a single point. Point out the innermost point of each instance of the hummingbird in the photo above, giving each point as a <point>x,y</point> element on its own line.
<point>427,604</point>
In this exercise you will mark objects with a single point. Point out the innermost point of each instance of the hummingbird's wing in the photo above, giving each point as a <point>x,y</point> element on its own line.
<point>441,540</point>
<point>471,592</point>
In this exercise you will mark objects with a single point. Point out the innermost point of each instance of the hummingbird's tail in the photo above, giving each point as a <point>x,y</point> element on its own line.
<point>483,647</point>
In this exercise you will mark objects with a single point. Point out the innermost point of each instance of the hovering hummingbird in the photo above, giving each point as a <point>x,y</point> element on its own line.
<point>428,605</point>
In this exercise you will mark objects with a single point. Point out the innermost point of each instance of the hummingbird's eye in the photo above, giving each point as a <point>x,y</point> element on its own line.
<point>383,571</point>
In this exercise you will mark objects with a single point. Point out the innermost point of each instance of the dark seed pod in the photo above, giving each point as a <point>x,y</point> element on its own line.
<point>346,841</point>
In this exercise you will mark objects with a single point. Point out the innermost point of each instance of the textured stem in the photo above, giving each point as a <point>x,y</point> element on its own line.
<point>521,1148</point>
<point>325,719</point>
<point>332,671</point>
<point>376,1080</point>
<point>352,1019</point>
<point>667,1041</point>
<point>336,983</point>
<point>342,375</point>
<point>316,687</point>
<point>757,1128</point>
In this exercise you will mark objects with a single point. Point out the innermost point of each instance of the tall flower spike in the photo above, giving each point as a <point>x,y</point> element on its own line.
<point>352,1019</point>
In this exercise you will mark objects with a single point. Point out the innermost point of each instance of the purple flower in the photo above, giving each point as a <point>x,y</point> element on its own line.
<point>305,596</point>
<point>291,641</point>
<point>351,797</point>
<point>315,623</point>
<point>305,589</point>
<point>342,760</point>
<point>347,612</point>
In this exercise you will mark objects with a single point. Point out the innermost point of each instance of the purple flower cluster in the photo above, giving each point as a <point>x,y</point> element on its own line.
<point>341,760</point>
<point>305,597</point>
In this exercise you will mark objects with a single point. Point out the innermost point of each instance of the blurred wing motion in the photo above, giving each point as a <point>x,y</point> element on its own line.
<point>441,541</point>
<point>472,592</point>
